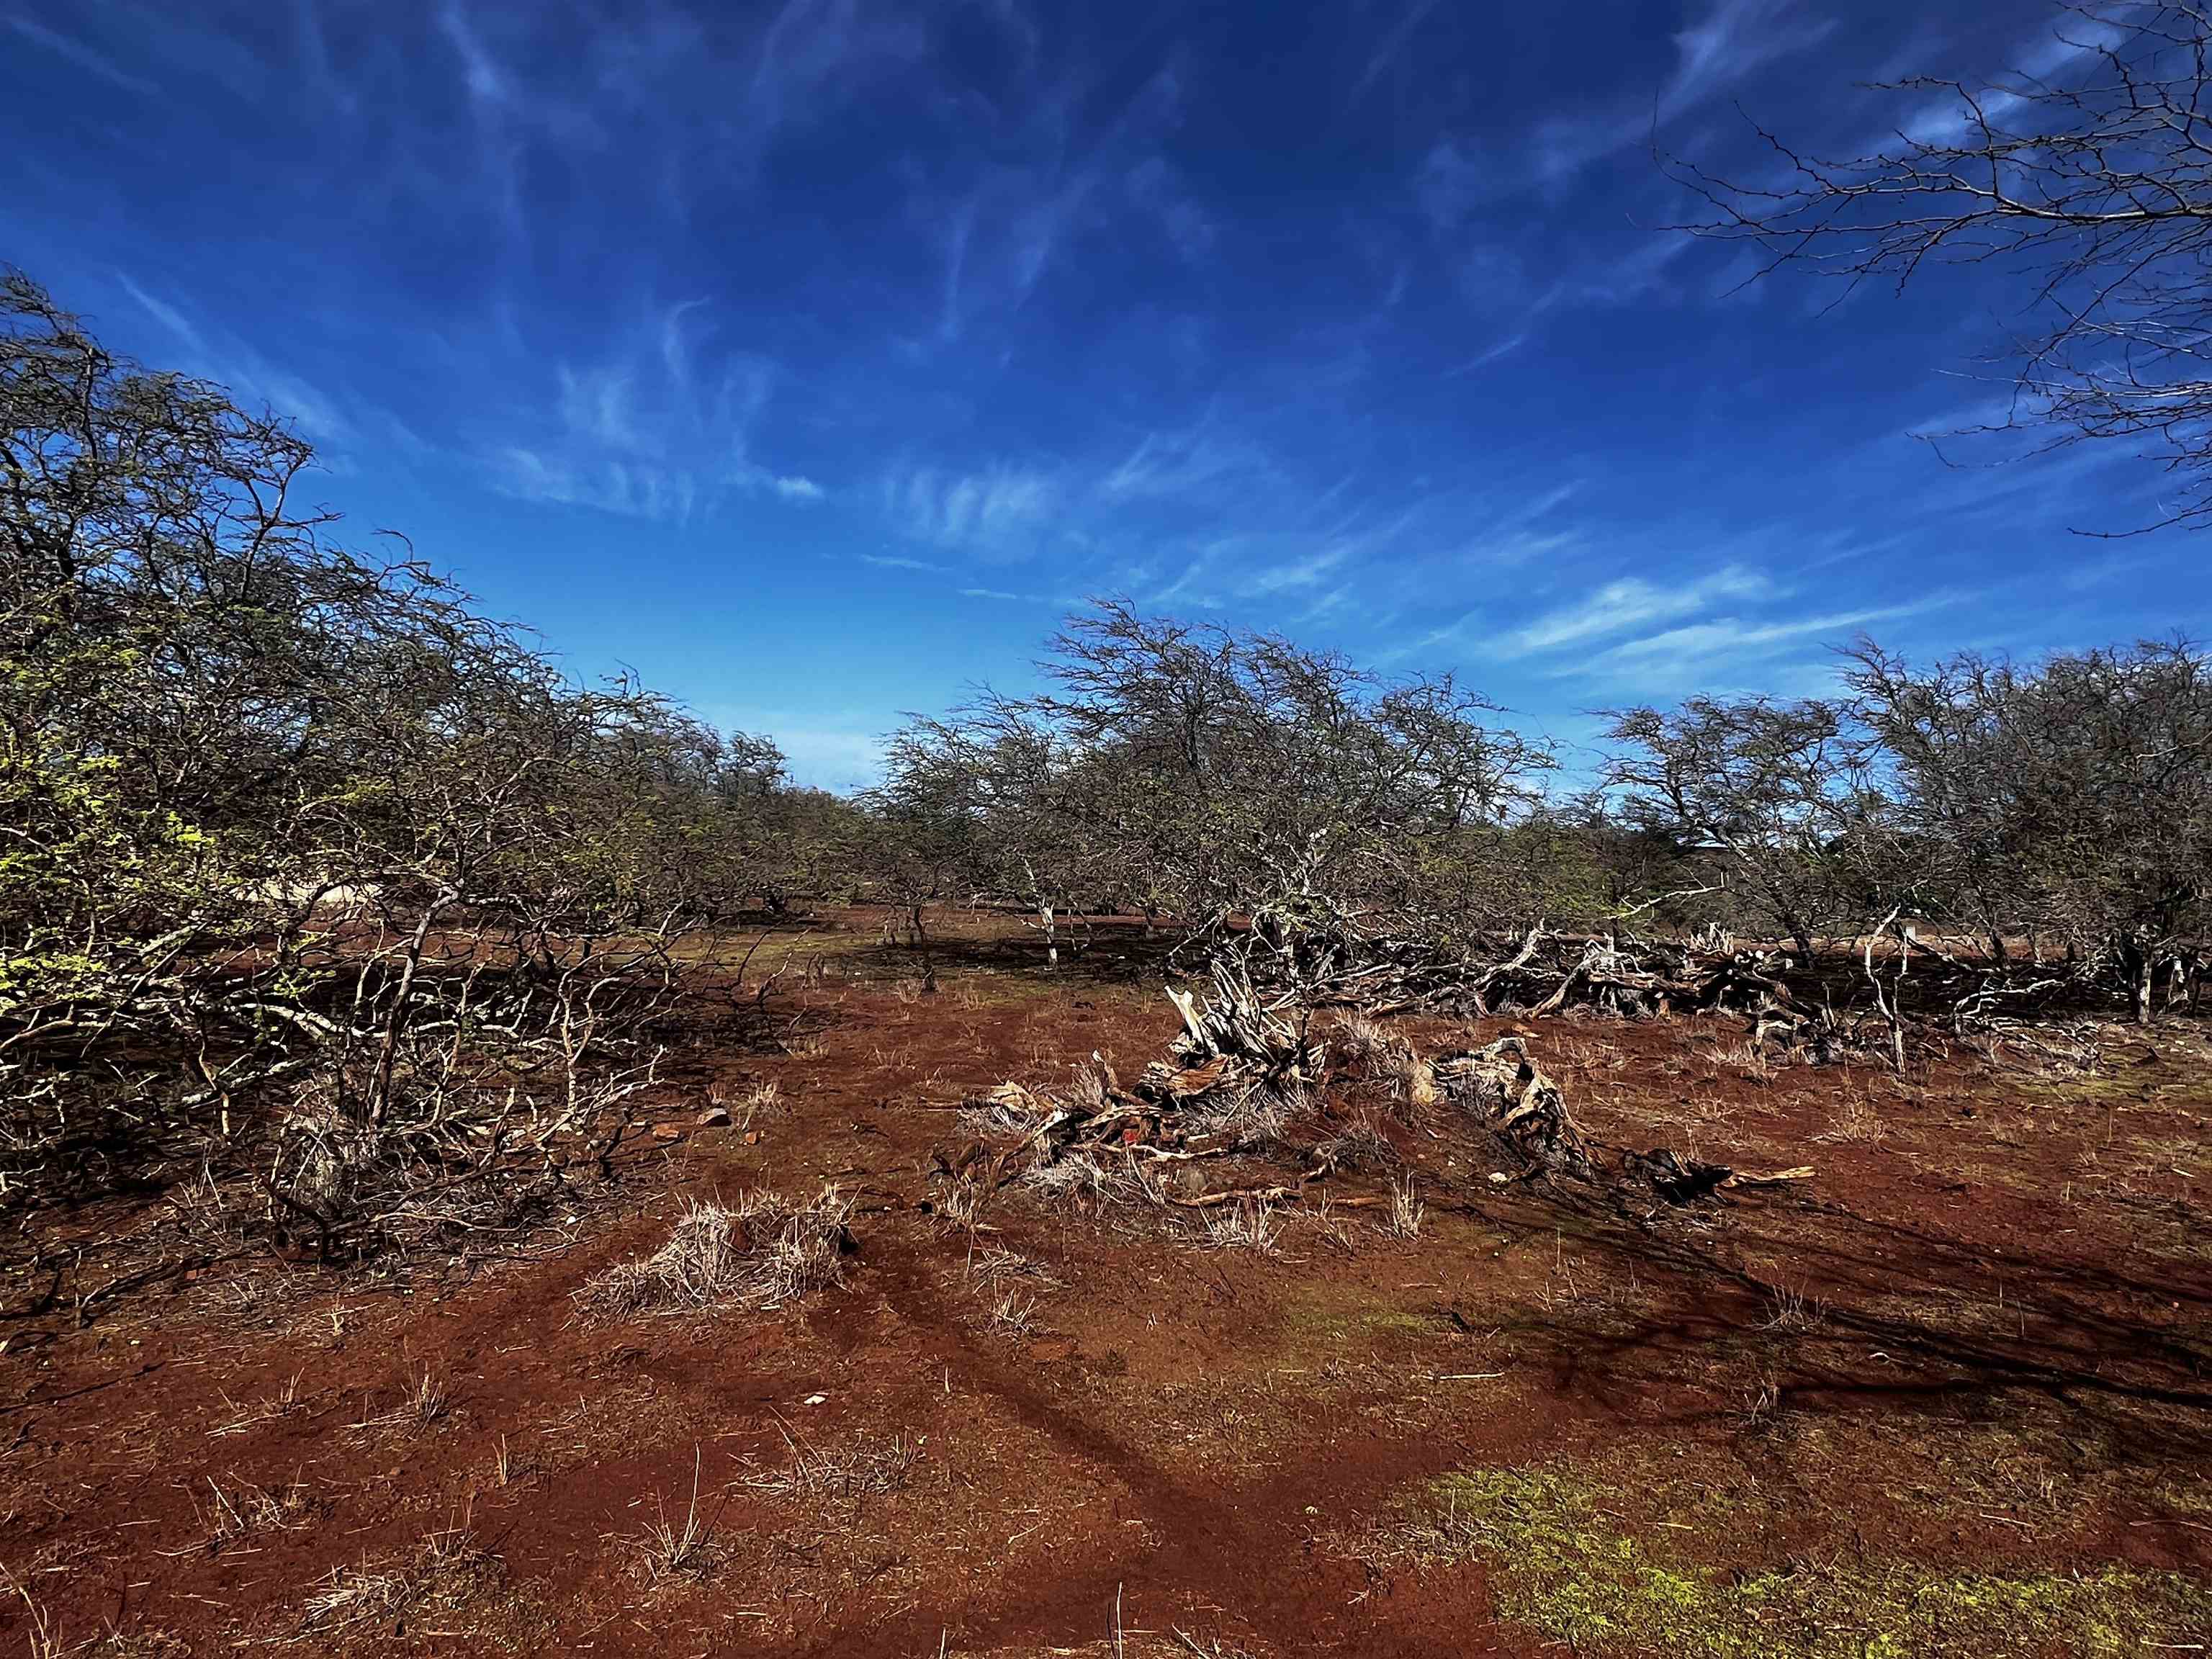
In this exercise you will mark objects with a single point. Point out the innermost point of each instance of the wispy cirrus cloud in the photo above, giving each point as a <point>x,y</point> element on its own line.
<point>1731,40</point>
<point>1629,603</point>
<point>2063,44</point>
<point>1390,46</point>
<point>1002,510</point>
<point>662,425</point>
<point>1178,463</point>
<point>1697,654</point>
<point>214,354</point>
<point>1002,221</point>
<point>75,51</point>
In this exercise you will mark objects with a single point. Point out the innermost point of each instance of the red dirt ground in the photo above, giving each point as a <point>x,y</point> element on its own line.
<point>1976,1338</point>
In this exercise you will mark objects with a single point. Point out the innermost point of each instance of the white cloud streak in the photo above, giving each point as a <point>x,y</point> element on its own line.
<point>75,51</point>
<point>1632,602</point>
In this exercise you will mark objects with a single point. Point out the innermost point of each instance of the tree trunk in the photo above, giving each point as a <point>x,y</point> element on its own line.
<point>2141,965</point>
<point>921,943</point>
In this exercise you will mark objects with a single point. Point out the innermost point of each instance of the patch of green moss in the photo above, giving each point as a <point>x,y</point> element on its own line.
<point>1323,1312</point>
<point>1559,1566</point>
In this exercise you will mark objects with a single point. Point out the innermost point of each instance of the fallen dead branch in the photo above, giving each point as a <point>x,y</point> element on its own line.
<point>1250,1080</point>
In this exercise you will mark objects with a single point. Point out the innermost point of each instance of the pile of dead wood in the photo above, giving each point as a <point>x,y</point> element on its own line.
<point>1249,1079</point>
<point>1546,972</point>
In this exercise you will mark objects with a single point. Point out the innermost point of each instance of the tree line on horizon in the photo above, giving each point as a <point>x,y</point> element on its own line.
<point>312,875</point>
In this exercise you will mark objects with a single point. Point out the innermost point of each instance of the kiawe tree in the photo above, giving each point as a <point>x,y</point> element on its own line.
<point>2073,796</point>
<point>1772,790</point>
<point>1222,776</point>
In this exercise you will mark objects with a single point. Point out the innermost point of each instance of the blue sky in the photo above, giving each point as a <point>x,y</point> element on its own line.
<point>811,360</point>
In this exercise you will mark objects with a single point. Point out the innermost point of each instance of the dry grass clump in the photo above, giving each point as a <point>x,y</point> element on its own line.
<point>247,1510</point>
<point>668,1548</point>
<point>1250,1225</point>
<point>864,1469</point>
<point>993,1264</point>
<point>1791,1309</point>
<point>766,1249</point>
<point>425,1404</point>
<point>1360,1144</point>
<point>1856,1120</point>
<point>764,1100</point>
<point>1014,1314</point>
<point>999,1114</point>
<point>44,1636</point>
<point>138,1644</point>
<point>1404,1218</point>
<point>1745,1058</point>
<point>1361,1036</point>
<point>446,1571</point>
<point>1254,1119</point>
<point>1079,1175</point>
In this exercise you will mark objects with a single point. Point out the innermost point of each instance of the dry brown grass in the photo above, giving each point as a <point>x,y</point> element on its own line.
<point>668,1548</point>
<point>1014,1314</point>
<point>1254,1119</point>
<point>444,1572</point>
<point>765,1250</point>
<point>1791,1310</point>
<point>138,1644</point>
<point>866,1468</point>
<point>1856,1120</point>
<point>993,1264</point>
<point>1329,1227</point>
<point>1742,1058</point>
<point>245,1511</point>
<point>1404,1218</point>
<point>764,1099</point>
<point>1360,1144</point>
<point>1360,1037</point>
<point>41,1633</point>
<point>425,1404</point>
<point>1248,1224</point>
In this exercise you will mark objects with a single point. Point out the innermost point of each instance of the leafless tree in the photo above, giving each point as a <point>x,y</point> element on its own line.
<point>2088,186</point>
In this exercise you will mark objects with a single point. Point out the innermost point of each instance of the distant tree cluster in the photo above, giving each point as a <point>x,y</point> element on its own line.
<point>1175,770</point>
<point>2062,810</point>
